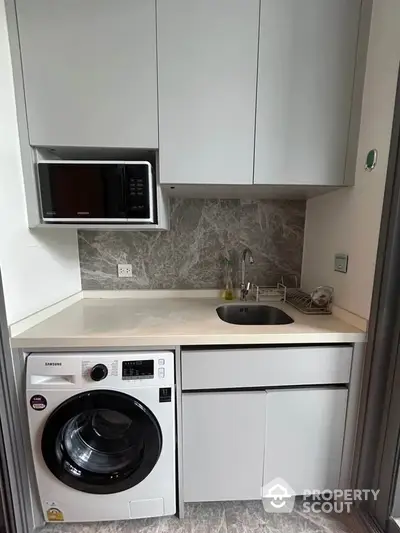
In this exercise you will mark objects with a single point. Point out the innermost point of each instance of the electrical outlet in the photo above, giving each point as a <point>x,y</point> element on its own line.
<point>124,271</point>
<point>341,262</point>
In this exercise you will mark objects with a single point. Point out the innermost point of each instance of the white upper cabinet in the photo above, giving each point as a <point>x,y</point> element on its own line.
<point>90,72</point>
<point>307,57</point>
<point>207,61</point>
<point>232,92</point>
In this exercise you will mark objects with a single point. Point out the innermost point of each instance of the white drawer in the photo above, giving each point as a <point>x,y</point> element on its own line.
<point>265,367</point>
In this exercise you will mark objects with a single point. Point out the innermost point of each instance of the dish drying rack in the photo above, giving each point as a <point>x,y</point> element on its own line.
<point>309,304</point>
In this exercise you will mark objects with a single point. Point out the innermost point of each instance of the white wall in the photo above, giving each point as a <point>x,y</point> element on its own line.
<point>38,269</point>
<point>348,221</point>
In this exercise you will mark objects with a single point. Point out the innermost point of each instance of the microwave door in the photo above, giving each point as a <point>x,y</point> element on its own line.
<point>82,192</point>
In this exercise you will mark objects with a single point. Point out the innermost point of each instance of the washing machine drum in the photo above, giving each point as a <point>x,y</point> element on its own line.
<point>101,442</point>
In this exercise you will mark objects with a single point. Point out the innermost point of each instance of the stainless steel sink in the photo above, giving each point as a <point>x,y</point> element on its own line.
<point>253,314</point>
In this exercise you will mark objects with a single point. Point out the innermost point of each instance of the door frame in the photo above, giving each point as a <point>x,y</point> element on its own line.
<point>378,439</point>
<point>14,473</point>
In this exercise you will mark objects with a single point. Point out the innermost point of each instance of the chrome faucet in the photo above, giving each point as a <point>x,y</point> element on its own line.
<point>245,287</point>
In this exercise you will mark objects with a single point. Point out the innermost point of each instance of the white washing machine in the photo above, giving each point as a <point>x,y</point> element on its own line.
<point>102,428</point>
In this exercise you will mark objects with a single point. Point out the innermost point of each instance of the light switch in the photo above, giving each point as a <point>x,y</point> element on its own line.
<point>341,262</point>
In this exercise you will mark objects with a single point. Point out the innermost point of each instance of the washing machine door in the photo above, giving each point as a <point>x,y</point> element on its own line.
<point>101,442</point>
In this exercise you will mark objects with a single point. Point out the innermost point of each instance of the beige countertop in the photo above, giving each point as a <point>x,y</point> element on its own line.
<point>126,322</point>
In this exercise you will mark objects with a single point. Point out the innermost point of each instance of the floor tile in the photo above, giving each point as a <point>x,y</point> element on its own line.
<point>227,517</point>
<point>206,517</point>
<point>243,517</point>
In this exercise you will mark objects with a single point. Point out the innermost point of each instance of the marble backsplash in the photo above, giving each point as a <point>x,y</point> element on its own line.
<point>191,255</point>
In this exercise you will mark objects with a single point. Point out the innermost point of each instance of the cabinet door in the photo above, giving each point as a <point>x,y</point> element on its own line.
<point>207,60</point>
<point>223,445</point>
<point>304,437</point>
<point>90,72</point>
<point>307,56</point>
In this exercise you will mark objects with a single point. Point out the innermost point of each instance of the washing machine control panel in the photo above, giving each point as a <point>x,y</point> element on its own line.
<point>129,370</point>
<point>96,370</point>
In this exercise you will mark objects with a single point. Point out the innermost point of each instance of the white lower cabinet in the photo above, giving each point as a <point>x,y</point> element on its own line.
<point>235,443</point>
<point>304,437</point>
<point>288,424</point>
<point>223,445</point>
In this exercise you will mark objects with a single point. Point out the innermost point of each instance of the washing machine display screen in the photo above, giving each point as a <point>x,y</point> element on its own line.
<point>138,369</point>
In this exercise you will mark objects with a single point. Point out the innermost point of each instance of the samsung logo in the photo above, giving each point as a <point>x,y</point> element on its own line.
<point>53,364</point>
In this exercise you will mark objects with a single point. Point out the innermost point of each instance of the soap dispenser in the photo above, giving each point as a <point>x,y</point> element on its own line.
<point>227,292</point>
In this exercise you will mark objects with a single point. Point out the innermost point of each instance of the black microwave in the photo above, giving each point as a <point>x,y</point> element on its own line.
<point>97,191</point>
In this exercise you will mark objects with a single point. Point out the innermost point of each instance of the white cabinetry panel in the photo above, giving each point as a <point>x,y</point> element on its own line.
<point>307,56</point>
<point>90,72</point>
<point>265,367</point>
<point>207,61</point>
<point>223,445</point>
<point>304,437</point>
